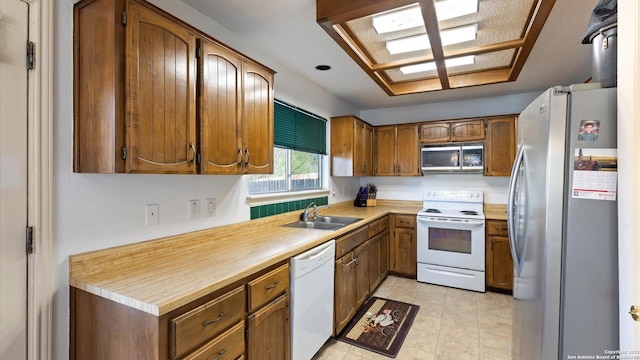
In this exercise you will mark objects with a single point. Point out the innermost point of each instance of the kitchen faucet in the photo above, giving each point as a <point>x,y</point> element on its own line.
<point>305,214</point>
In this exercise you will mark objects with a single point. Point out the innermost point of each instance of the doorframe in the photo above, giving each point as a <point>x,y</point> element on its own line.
<point>41,264</point>
<point>628,171</point>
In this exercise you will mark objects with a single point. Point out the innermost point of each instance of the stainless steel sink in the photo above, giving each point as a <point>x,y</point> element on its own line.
<point>323,223</point>
<point>337,219</point>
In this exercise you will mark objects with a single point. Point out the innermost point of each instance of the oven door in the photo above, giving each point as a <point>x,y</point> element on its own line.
<point>451,242</point>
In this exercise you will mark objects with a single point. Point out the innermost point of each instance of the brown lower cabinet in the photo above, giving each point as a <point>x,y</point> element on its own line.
<point>499,263</point>
<point>268,331</point>
<point>351,285</point>
<point>362,262</point>
<point>404,249</point>
<point>211,327</point>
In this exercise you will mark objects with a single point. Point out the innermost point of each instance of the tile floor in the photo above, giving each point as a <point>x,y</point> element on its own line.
<point>451,324</point>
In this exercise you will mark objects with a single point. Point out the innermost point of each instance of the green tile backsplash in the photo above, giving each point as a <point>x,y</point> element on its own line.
<point>283,207</point>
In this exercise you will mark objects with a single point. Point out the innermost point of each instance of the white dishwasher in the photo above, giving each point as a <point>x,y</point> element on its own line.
<point>312,300</point>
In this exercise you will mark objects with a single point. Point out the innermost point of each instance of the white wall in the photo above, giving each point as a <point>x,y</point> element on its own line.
<point>94,211</point>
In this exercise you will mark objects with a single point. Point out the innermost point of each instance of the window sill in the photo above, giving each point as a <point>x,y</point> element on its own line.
<point>266,199</point>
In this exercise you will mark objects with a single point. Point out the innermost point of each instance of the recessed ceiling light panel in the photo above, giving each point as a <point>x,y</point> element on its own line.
<point>421,42</point>
<point>449,9</point>
<point>405,18</point>
<point>429,66</point>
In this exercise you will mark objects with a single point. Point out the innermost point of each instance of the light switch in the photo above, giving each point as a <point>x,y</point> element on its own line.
<point>211,207</point>
<point>194,209</point>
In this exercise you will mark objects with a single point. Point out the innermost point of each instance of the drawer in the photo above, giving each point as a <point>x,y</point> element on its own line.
<point>378,226</point>
<point>350,241</point>
<point>405,221</point>
<point>267,287</point>
<point>497,227</point>
<point>206,321</point>
<point>228,346</point>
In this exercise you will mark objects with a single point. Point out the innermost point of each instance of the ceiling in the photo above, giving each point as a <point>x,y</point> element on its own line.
<point>287,31</point>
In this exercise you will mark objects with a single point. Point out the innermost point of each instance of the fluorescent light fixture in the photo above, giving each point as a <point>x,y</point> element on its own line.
<point>421,42</point>
<point>412,69</point>
<point>405,18</point>
<point>449,9</point>
<point>408,44</point>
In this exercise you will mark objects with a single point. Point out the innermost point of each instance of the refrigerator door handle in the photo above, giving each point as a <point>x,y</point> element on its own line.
<point>513,182</point>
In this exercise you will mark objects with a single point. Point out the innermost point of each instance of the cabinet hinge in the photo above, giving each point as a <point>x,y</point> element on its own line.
<point>246,334</point>
<point>124,18</point>
<point>198,52</point>
<point>198,159</point>
<point>30,239</point>
<point>124,153</point>
<point>31,55</point>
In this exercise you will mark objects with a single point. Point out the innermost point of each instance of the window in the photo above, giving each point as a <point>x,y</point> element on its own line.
<point>300,146</point>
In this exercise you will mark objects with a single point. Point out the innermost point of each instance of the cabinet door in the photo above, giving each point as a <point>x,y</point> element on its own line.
<point>405,251</point>
<point>499,263</point>
<point>221,135</point>
<point>363,149</point>
<point>268,331</point>
<point>500,146</point>
<point>385,150</point>
<point>471,130</point>
<point>344,292</point>
<point>384,254</point>
<point>435,133</point>
<point>161,95</point>
<point>257,117</point>
<point>374,262</point>
<point>361,254</point>
<point>408,151</point>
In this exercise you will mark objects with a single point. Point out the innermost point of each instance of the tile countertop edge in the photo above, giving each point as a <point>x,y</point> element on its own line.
<point>109,273</point>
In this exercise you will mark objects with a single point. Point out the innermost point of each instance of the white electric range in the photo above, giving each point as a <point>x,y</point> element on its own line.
<point>451,240</point>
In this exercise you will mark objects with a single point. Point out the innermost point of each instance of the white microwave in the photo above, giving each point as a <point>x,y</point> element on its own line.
<point>467,158</point>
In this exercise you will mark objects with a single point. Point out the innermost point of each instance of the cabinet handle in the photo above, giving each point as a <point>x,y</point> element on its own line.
<point>221,354</point>
<point>195,154</point>
<point>209,322</point>
<point>272,286</point>
<point>350,262</point>
<point>240,159</point>
<point>246,150</point>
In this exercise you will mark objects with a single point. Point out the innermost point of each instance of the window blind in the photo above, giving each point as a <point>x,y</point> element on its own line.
<point>297,129</point>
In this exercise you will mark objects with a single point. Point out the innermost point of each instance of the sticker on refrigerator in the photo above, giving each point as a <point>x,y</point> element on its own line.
<point>595,174</point>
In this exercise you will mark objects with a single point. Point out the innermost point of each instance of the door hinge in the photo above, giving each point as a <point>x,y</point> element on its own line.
<point>124,18</point>
<point>31,55</point>
<point>198,52</point>
<point>198,158</point>
<point>30,239</point>
<point>124,153</point>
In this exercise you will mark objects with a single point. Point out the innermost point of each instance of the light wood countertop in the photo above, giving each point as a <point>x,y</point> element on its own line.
<point>161,275</point>
<point>495,211</point>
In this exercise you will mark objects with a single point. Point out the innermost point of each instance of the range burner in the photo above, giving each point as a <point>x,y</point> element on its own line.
<point>469,212</point>
<point>433,211</point>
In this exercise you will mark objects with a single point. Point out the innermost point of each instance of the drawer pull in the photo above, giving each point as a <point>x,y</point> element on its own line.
<point>273,286</point>
<point>350,262</point>
<point>209,322</point>
<point>221,354</point>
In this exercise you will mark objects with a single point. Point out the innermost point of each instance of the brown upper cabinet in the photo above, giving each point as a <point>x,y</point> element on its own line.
<point>135,96</point>
<point>351,147</point>
<point>396,150</point>
<point>452,131</point>
<point>500,146</point>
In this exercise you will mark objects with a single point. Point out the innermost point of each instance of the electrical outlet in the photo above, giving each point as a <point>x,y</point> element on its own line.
<point>211,207</point>
<point>194,209</point>
<point>152,214</point>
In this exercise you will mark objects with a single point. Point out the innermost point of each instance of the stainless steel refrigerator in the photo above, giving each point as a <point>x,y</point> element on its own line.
<point>562,212</point>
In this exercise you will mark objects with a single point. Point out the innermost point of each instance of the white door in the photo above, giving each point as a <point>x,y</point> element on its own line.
<point>13,179</point>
